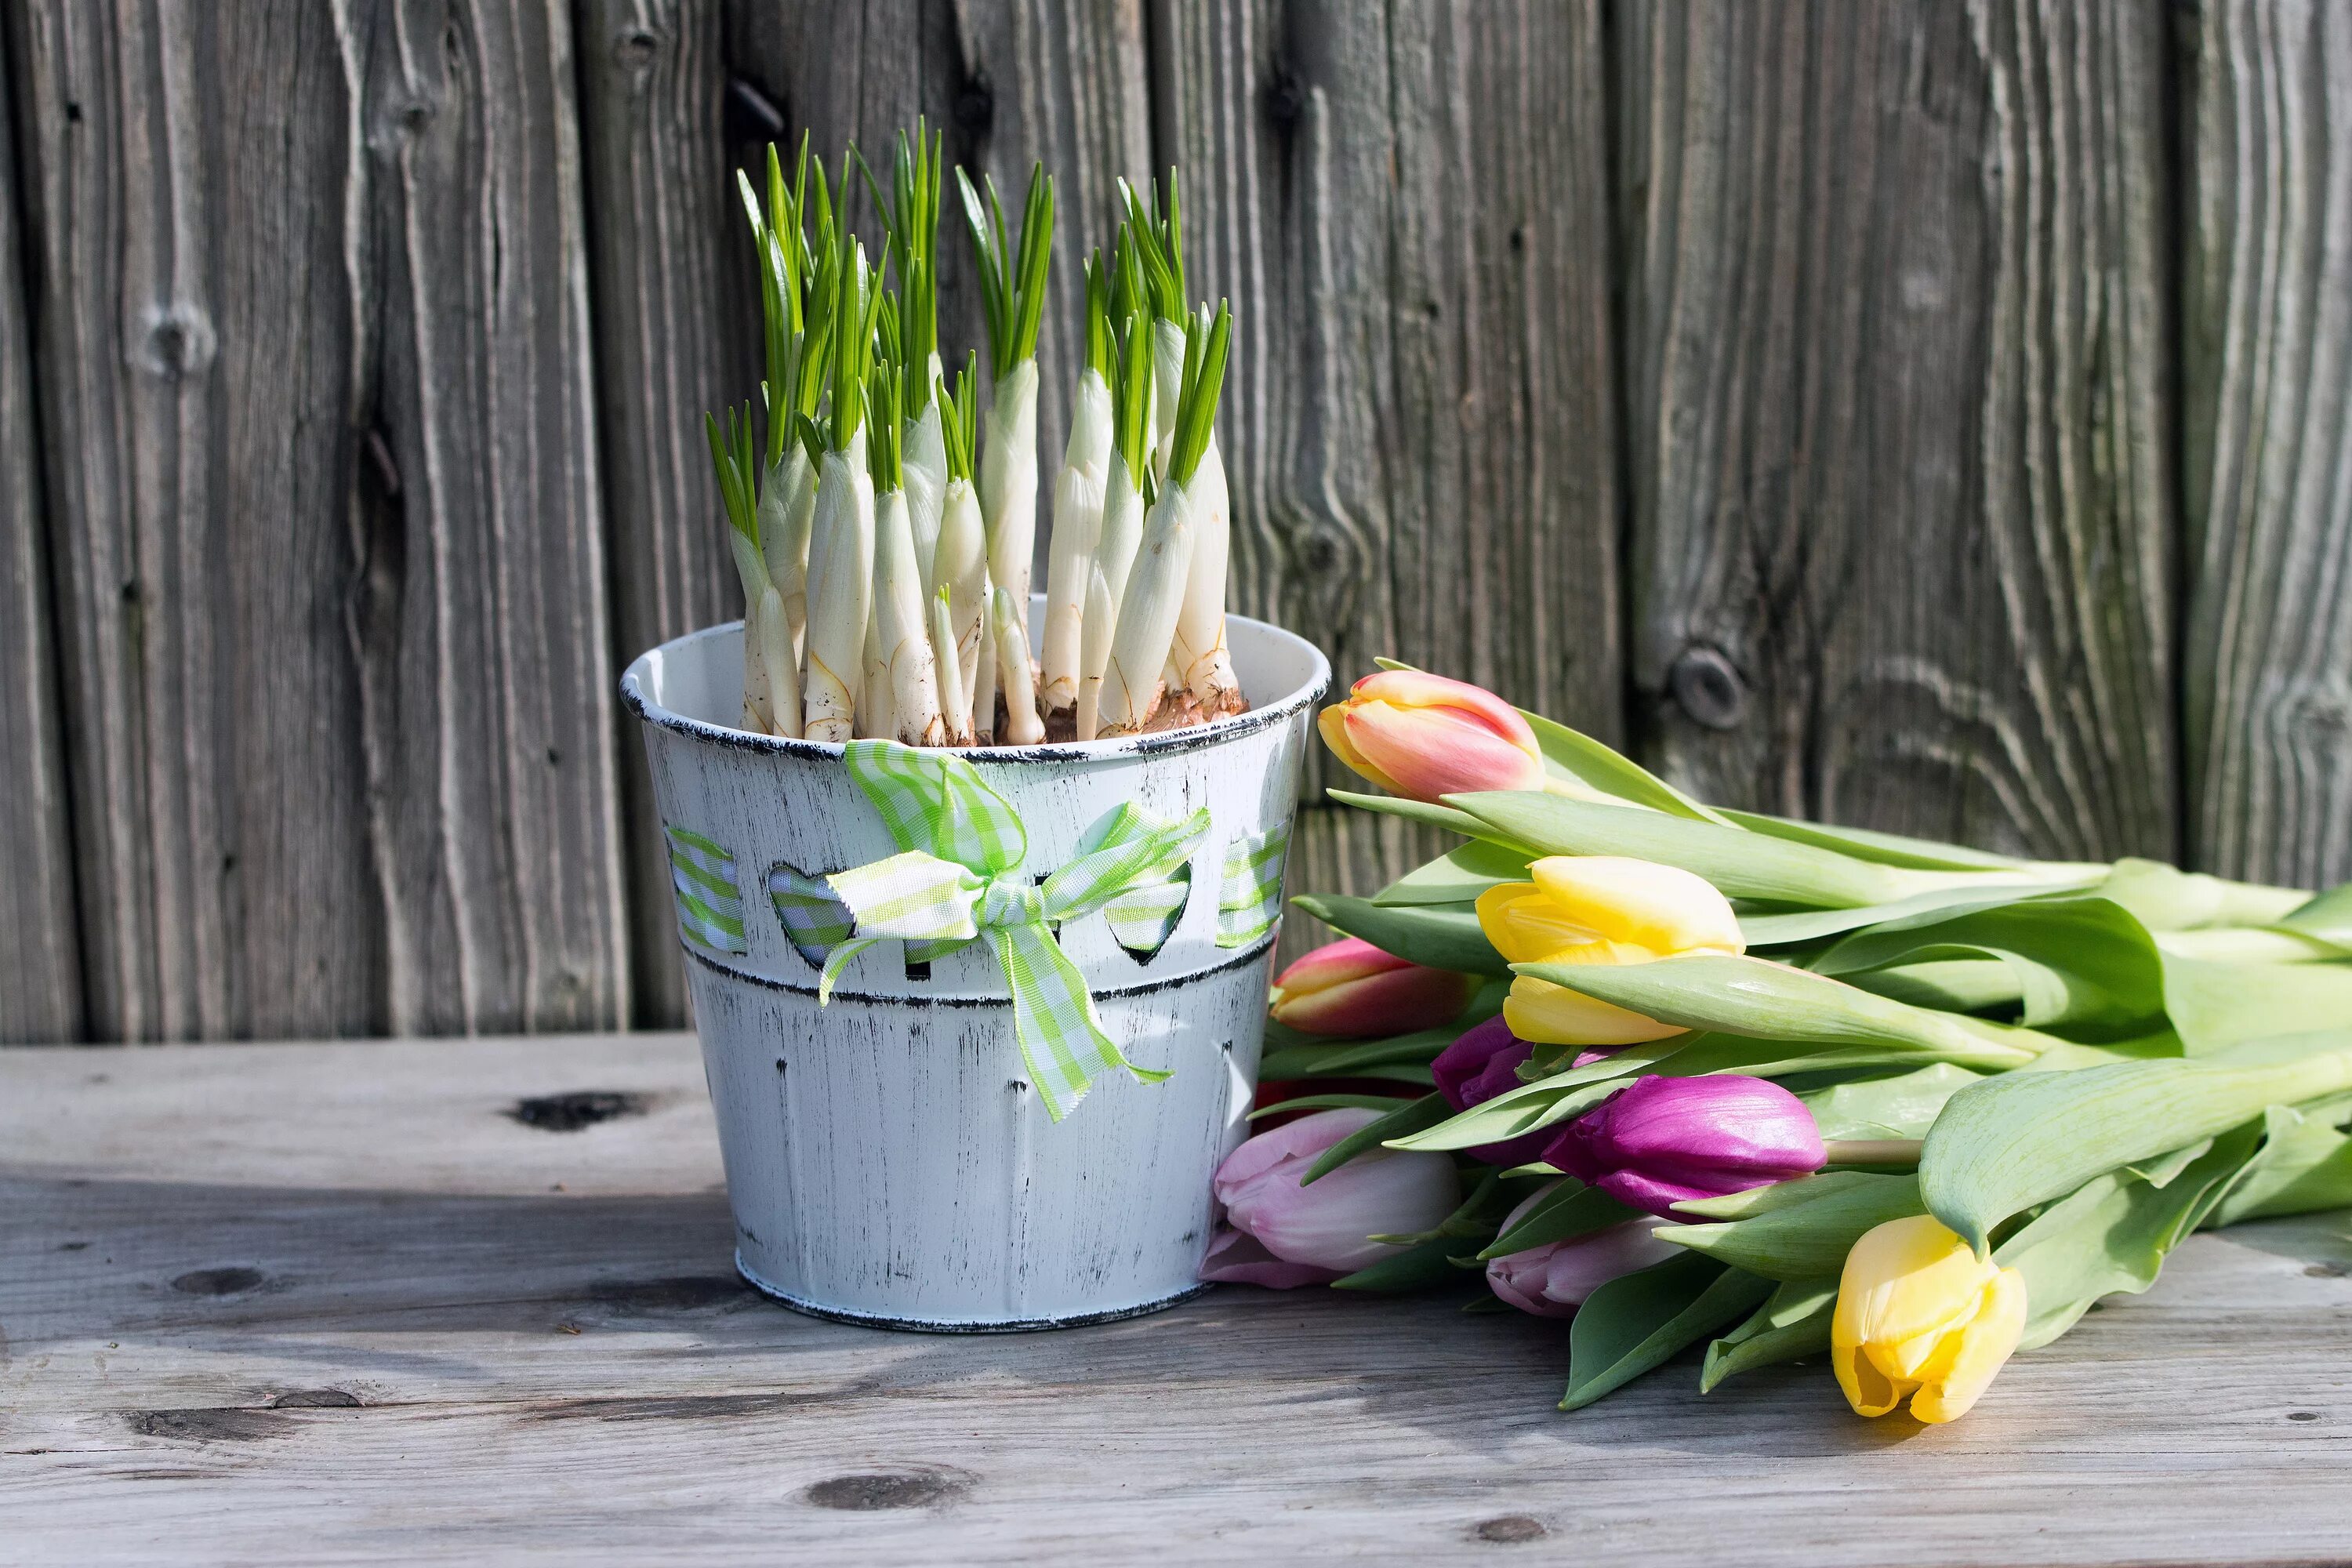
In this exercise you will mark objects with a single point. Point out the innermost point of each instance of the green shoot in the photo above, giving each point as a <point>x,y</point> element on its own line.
<point>1205,344</point>
<point>1102,351</point>
<point>884,431</point>
<point>1160,242</point>
<point>857,308</point>
<point>735,455</point>
<point>960,425</point>
<point>911,210</point>
<point>1131,404</point>
<point>1012,290</point>
<point>776,237</point>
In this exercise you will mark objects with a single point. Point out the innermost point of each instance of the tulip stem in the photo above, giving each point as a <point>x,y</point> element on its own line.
<point>1904,1151</point>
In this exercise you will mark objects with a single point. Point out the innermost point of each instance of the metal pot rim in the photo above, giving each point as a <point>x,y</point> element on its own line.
<point>1166,743</point>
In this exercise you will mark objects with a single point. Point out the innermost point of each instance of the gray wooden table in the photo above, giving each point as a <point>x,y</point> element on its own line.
<point>334,1304</point>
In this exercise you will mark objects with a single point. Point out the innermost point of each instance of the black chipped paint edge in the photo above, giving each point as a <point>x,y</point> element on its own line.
<point>1166,743</point>
<point>923,1326</point>
<point>1247,955</point>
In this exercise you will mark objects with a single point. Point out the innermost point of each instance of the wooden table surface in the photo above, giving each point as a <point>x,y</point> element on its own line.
<point>330,1303</point>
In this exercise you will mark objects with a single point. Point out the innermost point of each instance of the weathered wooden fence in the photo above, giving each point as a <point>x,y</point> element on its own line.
<point>1933,415</point>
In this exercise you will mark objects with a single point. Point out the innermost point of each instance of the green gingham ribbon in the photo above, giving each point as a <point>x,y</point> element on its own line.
<point>709,910</point>
<point>959,877</point>
<point>1251,897</point>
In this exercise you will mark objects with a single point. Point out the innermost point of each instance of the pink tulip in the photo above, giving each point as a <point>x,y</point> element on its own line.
<point>1423,736</point>
<point>1484,1063</point>
<point>1352,990</point>
<point>1553,1280</point>
<point>1279,1234</point>
<point>1664,1140</point>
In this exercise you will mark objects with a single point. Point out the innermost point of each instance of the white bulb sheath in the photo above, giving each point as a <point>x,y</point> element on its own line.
<point>955,695</point>
<point>1133,680</point>
<point>1079,500</point>
<point>759,713</point>
<point>1022,725</point>
<point>783,673</point>
<point>841,578</point>
<point>1008,479</point>
<point>925,464</point>
<point>1204,666</point>
<point>787,554</point>
<point>909,675</point>
<point>962,571</point>
<point>1094,650</point>
<point>1167,378</point>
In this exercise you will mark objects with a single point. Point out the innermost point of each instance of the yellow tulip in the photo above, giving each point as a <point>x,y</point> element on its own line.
<point>1597,908</point>
<point>1921,1317</point>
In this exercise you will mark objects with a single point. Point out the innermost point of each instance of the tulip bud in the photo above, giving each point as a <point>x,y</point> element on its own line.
<point>1352,990</point>
<point>1279,1234</point>
<point>1484,1062</point>
<point>1423,736</point>
<point>1664,1140</point>
<point>1921,1317</point>
<point>1599,908</point>
<point>1552,1281</point>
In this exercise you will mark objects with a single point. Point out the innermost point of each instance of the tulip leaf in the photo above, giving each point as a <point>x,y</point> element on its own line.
<point>1330,1102</point>
<point>1807,1240</point>
<point>2304,1163</point>
<point>1444,816</point>
<point>2112,1235</point>
<point>2216,1005</point>
<point>1808,925</point>
<point>1755,997</point>
<point>2327,918</point>
<point>1412,1116</point>
<point>1569,1210</point>
<point>1778,1194</point>
<point>1443,936</point>
<point>1416,1268</point>
<point>2163,899</point>
<point>1903,1106</point>
<point>1743,865</point>
<point>2084,964</point>
<point>1457,877</point>
<point>1639,1320</point>
<point>1601,767</point>
<point>1793,1323</point>
<point>2017,1140</point>
<point>1886,849</point>
<point>1343,1059</point>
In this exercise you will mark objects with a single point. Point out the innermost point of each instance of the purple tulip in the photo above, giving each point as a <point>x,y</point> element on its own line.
<point>1279,1234</point>
<point>1552,1281</point>
<point>1484,1063</point>
<point>1664,1140</point>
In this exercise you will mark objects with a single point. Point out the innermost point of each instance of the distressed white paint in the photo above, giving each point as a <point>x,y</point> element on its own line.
<point>886,1158</point>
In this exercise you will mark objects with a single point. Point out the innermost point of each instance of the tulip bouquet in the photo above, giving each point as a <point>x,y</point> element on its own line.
<point>883,525</point>
<point>1687,1074</point>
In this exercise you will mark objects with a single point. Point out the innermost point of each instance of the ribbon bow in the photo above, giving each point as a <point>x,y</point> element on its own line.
<point>959,877</point>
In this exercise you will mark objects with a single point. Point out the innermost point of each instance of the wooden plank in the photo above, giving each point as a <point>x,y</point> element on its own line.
<point>315,364</point>
<point>40,953</point>
<point>2267,367</point>
<point>676,335</point>
<point>237,1280</point>
<point>1897,326</point>
<point>1407,205</point>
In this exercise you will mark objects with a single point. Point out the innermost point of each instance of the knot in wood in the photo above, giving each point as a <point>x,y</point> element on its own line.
<point>178,341</point>
<point>1511,1528</point>
<point>1707,687</point>
<point>976,105</point>
<point>635,49</point>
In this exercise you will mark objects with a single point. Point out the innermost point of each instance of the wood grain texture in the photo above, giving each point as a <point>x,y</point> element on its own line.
<point>241,1281</point>
<point>1897,310</point>
<point>40,957</point>
<point>1405,204</point>
<point>674,338</point>
<point>2267,699</point>
<point>315,370</point>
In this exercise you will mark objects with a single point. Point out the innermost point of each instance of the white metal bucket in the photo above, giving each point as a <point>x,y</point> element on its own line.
<point>886,1159</point>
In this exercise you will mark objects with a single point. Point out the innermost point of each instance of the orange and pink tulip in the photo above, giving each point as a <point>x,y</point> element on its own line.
<point>1352,990</point>
<point>1424,737</point>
